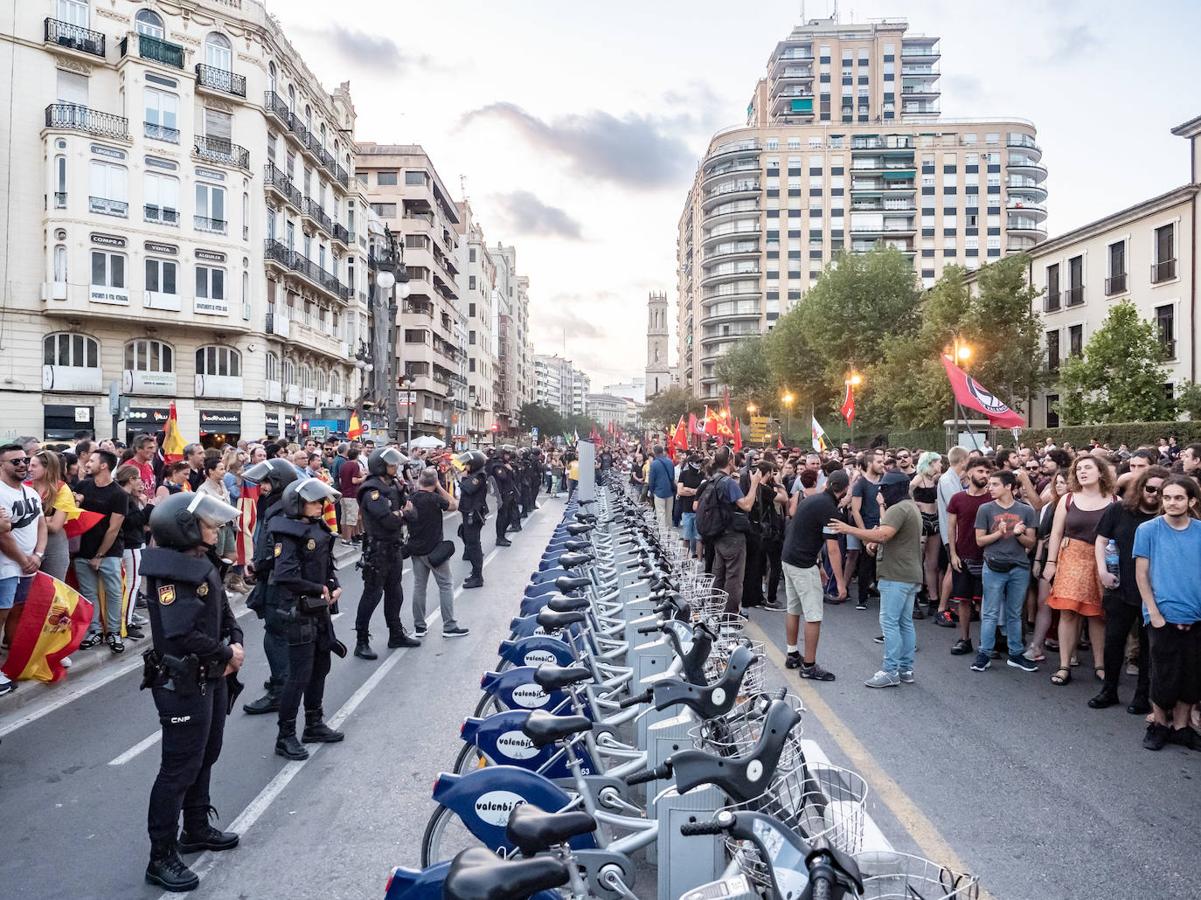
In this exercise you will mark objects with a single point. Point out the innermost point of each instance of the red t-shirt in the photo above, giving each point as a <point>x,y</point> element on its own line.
<point>964,507</point>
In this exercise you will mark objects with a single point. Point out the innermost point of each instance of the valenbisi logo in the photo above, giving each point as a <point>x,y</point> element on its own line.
<point>494,807</point>
<point>537,657</point>
<point>515,745</point>
<point>530,696</point>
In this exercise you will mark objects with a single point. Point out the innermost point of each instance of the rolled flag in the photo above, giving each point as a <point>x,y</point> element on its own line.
<point>848,405</point>
<point>173,442</point>
<point>820,441</point>
<point>247,518</point>
<point>737,436</point>
<point>693,426</point>
<point>970,394</point>
<point>54,621</point>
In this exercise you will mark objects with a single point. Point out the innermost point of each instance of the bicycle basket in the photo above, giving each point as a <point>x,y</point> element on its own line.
<point>888,875</point>
<point>739,731</point>
<point>755,679</point>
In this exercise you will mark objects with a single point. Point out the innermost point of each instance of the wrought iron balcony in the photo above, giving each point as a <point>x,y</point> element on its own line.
<point>220,150</point>
<point>74,37</point>
<point>158,132</point>
<point>220,80</point>
<point>341,235</point>
<point>1115,284</point>
<point>77,117</point>
<point>156,50</point>
<point>297,262</point>
<point>275,179</point>
<point>1073,296</point>
<point>312,209</point>
<point>275,104</point>
<point>107,207</point>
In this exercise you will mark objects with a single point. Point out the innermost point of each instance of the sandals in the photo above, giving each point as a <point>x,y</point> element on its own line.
<point>1062,676</point>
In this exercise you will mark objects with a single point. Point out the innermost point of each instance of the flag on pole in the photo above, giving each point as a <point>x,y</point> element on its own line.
<point>779,442</point>
<point>173,442</point>
<point>681,435</point>
<point>355,431</point>
<point>737,441</point>
<point>848,405</point>
<point>711,427</point>
<point>693,426</point>
<point>55,620</point>
<point>248,507</point>
<point>970,394</point>
<point>820,441</point>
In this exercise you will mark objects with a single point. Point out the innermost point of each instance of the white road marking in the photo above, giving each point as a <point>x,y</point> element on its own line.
<point>137,748</point>
<point>873,837</point>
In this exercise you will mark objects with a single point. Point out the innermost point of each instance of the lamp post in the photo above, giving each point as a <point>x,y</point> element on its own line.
<point>788,398</point>
<point>961,353</point>
<point>393,275</point>
<point>853,379</point>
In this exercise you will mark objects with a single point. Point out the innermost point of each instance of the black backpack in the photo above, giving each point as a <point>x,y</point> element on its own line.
<point>713,514</point>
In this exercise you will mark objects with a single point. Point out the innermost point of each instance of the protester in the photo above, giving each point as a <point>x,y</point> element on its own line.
<point>865,513</point>
<point>22,538</point>
<point>687,487</point>
<point>98,562</point>
<point>967,558</point>
<point>58,507</point>
<point>427,550</point>
<point>923,485</point>
<point>661,482</point>
<point>727,508</point>
<point>134,534</point>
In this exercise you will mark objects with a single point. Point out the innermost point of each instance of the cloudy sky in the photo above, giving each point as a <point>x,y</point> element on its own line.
<point>575,128</point>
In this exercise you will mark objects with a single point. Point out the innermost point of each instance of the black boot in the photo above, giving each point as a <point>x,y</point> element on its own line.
<point>268,703</point>
<point>503,542</point>
<point>167,870</point>
<point>198,834</point>
<point>286,744</point>
<point>474,581</point>
<point>316,731</point>
<point>362,649</point>
<point>403,639</point>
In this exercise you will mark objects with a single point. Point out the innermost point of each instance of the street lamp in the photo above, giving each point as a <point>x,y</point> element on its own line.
<point>788,398</point>
<point>853,380</point>
<point>393,280</point>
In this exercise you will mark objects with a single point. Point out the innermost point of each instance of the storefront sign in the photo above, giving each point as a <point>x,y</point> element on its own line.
<point>225,421</point>
<point>208,306</point>
<point>108,240</point>
<point>116,296</point>
<point>210,256</point>
<point>154,416</point>
<point>162,249</point>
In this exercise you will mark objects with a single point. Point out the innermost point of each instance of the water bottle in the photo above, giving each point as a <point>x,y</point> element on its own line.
<point>1111,561</point>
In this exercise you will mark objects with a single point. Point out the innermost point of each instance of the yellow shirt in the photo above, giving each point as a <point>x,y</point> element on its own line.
<point>64,501</point>
<point>573,470</point>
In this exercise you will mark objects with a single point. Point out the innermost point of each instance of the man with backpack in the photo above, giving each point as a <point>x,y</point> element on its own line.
<point>721,519</point>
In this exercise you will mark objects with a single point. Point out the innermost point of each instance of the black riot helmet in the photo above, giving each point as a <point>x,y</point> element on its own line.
<point>298,493</point>
<point>276,474</point>
<point>379,460</point>
<point>506,452</point>
<point>472,460</point>
<point>175,521</point>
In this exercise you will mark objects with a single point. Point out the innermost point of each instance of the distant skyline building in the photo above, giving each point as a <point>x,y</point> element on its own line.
<point>658,365</point>
<point>843,149</point>
<point>560,384</point>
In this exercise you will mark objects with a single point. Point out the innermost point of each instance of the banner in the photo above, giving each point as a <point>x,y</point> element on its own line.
<point>53,622</point>
<point>248,507</point>
<point>355,431</point>
<point>173,442</point>
<point>820,441</point>
<point>970,394</point>
<point>848,405</point>
<point>737,442</point>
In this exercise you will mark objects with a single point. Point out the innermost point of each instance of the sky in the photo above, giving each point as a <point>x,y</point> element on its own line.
<point>575,129</point>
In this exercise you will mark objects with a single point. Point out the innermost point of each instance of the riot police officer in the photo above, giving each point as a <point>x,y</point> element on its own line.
<point>306,585</point>
<point>473,504</point>
<point>381,503</point>
<point>272,476</point>
<point>500,470</point>
<point>197,644</point>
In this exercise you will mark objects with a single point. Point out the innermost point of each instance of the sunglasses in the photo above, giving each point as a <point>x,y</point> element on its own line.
<point>19,461</point>
<point>1151,490</point>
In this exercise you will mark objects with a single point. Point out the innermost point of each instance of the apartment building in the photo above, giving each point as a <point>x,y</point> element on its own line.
<point>608,410</point>
<point>516,379</point>
<point>1146,254</point>
<point>477,294</point>
<point>157,241</point>
<point>561,385</point>
<point>406,192</point>
<point>844,149</point>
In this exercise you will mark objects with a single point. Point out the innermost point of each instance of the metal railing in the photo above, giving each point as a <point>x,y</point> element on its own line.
<point>297,262</point>
<point>158,132</point>
<point>1163,271</point>
<point>221,150</point>
<point>313,210</point>
<point>80,118</point>
<point>108,207</point>
<point>163,215</point>
<point>74,37</point>
<point>155,49</point>
<point>212,226</point>
<point>1115,284</point>
<point>220,80</point>
<point>1073,296</point>
<point>276,179</point>
<point>341,235</point>
<point>1051,302</point>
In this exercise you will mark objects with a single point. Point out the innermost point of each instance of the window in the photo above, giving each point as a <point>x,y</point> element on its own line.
<point>1165,326</point>
<point>289,371</point>
<point>72,87</point>
<point>210,208</point>
<point>218,124</point>
<point>109,188</point>
<point>471,310</point>
<point>108,269</point>
<point>162,199</point>
<point>60,264</point>
<point>149,24</point>
<point>1076,340</point>
<point>210,283</point>
<point>271,77</point>
<point>1051,303</point>
<point>223,361</point>
<point>149,356</point>
<point>1115,283</point>
<point>416,178</point>
<point>1075,291</point>
<point>471,255</point>
<point>1052,410</point>
<point>161,112</point>
<point>471,337</point>
<point>471,282</point>
<point>1053,351</point>
<point>218,53</point>
<point>1164,267</point>
<point>75,350</point>
<point>74,12</point>
<point>160,276</point>
<point>384,210</point>
<point>386,178</point>
<point>272,366</point>
<point>60,182</point>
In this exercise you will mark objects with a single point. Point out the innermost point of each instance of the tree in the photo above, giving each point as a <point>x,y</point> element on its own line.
<point>1120,377</point>
<point>545,418</point>
<point>746,372</point>
<point>1188,399</point>
<point>665,408</point>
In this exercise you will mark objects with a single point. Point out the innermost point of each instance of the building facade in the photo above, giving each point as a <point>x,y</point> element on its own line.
<point>1147,255</point>
<point>844,149</point>
<point>477,289</point>
<point>183,227</point>
<point>658,366</point>
<point>561,385</point>
<point>607,410</point>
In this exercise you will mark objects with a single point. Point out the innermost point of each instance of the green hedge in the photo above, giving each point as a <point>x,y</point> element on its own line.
<point>1132,434</point>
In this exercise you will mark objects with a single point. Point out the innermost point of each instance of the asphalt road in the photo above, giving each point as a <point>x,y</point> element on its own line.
<point>332,826</point>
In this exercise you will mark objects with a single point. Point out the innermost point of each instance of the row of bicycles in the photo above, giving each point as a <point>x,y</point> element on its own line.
<point>626,745</point>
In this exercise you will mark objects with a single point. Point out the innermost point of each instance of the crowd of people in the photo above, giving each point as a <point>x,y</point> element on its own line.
<point>1042,554</point>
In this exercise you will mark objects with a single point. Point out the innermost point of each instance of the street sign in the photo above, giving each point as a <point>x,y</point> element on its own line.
<point>759,429</point>
<point>406,397</point>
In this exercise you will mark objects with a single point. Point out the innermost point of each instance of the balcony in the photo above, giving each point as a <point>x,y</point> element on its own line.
<point>163,215</point>
<point>341,235</point>
<point>1051,302</point>
<point>294,261</point>
<point>1115,284</point>
<point>210,226</point>
<point>928,53</point>
<point>155,49</point>
<point>75,117</point>
<point>1168,346</point>
<point>312,210</point>
<point>220,80</point>
<point>275,179</point>
<point>419,306</point>
<point>107,207</point>
<point>1163,271</point>
<point>280,326</point>
<point>1073,296</point>
<point>157,132</point>
<point>73,37</point>
<point>274,104</point>
<point>221,151</point>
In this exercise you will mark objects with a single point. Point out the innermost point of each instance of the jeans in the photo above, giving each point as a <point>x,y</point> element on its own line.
<point>421,575</point>
<point>90,582</point>
<point>729,565</point>
<point>1004,597</point>
<point>896,621</point>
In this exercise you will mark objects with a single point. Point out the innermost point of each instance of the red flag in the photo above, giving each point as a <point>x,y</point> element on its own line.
<point>693,427</point>
<point>85,521</point>
<point>247,517</point>
<point>173,442</point>
<point>970,394</point>
<point>737,436</point>
<point>779,443</point>
<point>53,622</point>
<point>848,405</point>
<point>711,426</point>
<point>681,436</point>
<point>725,400</point>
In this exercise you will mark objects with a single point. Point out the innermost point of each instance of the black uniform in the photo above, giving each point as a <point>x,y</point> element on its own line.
<point>192,627</point>
<point>506,492</point>
<point>262,596</point>
<point>473,504</point>
<point>379,498</point>
<point>304,566</point>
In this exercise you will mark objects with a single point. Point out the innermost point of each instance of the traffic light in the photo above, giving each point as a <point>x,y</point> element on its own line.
<point>495,427</point>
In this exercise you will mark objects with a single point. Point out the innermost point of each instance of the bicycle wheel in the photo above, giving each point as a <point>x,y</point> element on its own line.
<point>468,760</point>
<point>445,836</point>
<point>488,704</point>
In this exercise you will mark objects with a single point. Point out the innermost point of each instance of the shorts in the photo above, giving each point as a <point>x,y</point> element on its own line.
<point>853,543</point>
<point>14,589</point>
<point>929,524</point>
<point>688,527</point>
<point>1175,665</point>
<point>803,588</point>
<point>350,511</point>
<point>966,586</point>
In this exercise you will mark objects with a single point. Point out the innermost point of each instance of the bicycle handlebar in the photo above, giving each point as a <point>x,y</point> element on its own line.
<point>690,829</point>
<point>636,699</point>
<point>664,771</point>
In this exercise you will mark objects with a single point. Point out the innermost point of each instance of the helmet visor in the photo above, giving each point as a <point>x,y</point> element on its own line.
<point>258,472</point>
<point>212,511</point>
<point>393,457</point>
<point>314,489</point>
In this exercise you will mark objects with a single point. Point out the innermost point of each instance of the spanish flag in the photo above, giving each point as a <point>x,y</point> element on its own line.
<point>54,621</point>
<point>356,427</point>
<point>248,505</point>
<point>173,442</point>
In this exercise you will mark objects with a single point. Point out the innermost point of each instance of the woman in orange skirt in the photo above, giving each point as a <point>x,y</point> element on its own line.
<point>1071,565</point>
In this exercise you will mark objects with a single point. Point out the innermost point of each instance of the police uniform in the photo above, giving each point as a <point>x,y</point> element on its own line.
<point>380,497</point>
<point>262,598</point>
<point>473,504</point>
<point>506,492</point>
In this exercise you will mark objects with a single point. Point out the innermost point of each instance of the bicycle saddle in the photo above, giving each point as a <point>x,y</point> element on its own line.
<point>552,678</point>
<point>579,528</point>
<point>567,583</point>
<point>532,830</point>
<point>544,728</point>
<point>552,620</point>
<point>577,545</point>
<point>585,517</point>
<point>479,874</point>
<point>571,560</point>
<point>567,604</point>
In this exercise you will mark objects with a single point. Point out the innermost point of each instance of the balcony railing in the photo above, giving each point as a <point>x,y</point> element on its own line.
<point>1163,271</point>
<point>79,118</point>
<point>220,80</point>
<point>275,179</point>
<point>1073,296</point>
<point>1051,302</point>
<point>1115,284</point>
<point>158,132</point>
<point>164,215</point>
<point>156,50</point>
<point>108,207</point>
<point>313,210</point>
<point>74,37</point>
<point>212,226</point>
<point>341,235</point>
<point>275,104</point>
<point>297,262</point>
<point>221,150</point>
<point>1169,347</point>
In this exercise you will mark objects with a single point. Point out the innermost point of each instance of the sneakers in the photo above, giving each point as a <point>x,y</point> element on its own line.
<point>962,647</point>
<point>1185,737</point>
<point>817,673</point>
<point>861,603</point>
<point>983,663</point>
<point>1021,662</point>
<point>474,581</point>
<point>420,630</point>
<point>946,619</point>
<point>878,639</point>
<point>883,679</point>
<point>116,644</point>
<point>793,660</point>
<point>91,640</point>
<point>906,676</point>
<point>455,631</point>
<point>1156,737</point>
<point>7,687</point>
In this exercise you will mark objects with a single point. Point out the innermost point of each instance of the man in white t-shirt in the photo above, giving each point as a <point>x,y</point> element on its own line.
<point>22,535</point>
<point>949,484</point>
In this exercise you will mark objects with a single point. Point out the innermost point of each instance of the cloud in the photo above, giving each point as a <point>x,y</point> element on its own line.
<point>371,51</point>
<point>966,88</point>
<point>633,151</point>
<point>572,316</point>
<point>1071,42</point>
<point>528,215</point>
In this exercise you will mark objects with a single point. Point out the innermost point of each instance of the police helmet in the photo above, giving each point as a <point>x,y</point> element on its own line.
<point>277,473</point>
<point>175,521</point>
<point>472,460</point>
<point>298,493</point>
<point>379,460</point>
